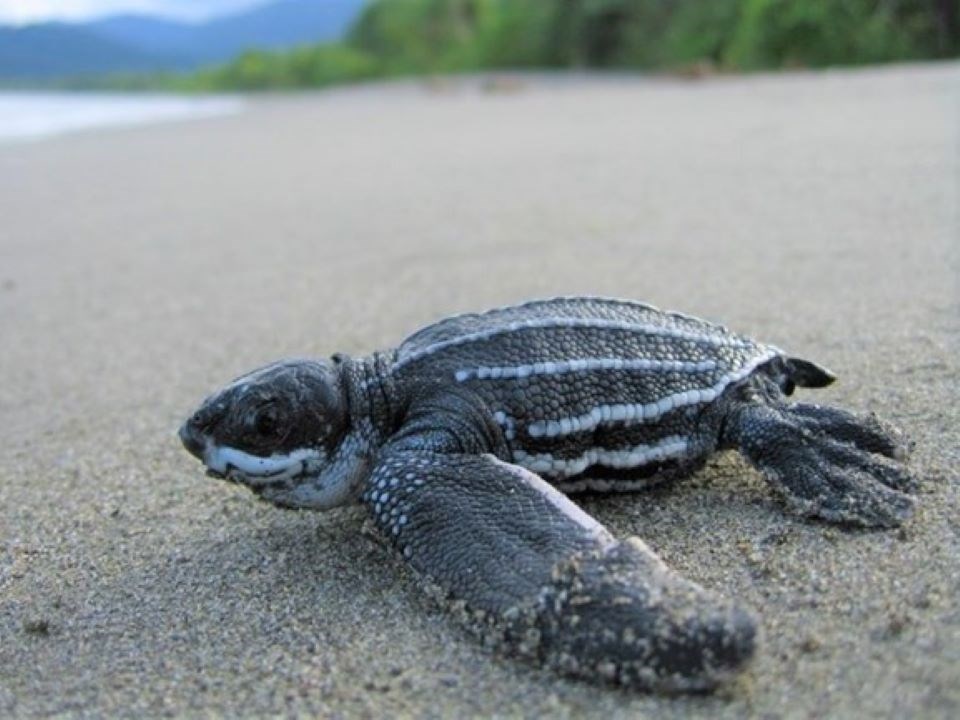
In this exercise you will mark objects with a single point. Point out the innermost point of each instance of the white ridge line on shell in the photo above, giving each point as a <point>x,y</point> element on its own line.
<point>668,448</point>
<point>583,365</point>
<point>586,323</point>
<point>643,412</point>
<point>601,299</point>
<point>507,423</point>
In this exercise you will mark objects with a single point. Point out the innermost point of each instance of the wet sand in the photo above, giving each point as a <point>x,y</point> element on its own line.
<point>141,268</point>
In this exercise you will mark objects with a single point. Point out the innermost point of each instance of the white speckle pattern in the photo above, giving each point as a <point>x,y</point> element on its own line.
<point>391,509</point>
<point>672,447</point>
<point>564,367</point>
<point>644,412</point>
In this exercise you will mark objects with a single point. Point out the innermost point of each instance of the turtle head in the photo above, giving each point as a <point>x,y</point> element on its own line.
<point>282,431</point>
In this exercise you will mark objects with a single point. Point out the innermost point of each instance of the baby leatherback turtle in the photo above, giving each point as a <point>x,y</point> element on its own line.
<point>462,442</point>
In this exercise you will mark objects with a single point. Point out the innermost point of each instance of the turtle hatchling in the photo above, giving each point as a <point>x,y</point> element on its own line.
<point>464,442</point>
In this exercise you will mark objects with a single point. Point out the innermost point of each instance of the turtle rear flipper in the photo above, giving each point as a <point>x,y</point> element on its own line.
<point>826,462</point>
<point>546,579</point>
<point>866,432</point>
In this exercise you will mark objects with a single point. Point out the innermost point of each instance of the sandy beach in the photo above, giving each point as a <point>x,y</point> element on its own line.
<point>141,268</point>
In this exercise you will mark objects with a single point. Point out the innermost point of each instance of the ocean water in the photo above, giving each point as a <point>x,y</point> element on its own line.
<point>32,116</point>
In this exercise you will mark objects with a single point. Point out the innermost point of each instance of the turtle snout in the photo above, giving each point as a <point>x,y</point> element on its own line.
<point>192,439</point>
<point>196,431</point>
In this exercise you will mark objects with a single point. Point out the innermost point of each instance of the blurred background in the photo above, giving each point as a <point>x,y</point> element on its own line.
<point>240,44</point>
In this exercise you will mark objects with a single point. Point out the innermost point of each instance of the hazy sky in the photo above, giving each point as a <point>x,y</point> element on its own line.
<point>21,11</point>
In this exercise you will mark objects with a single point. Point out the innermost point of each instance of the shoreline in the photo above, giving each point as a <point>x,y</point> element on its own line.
<point>31,116</point>
<point>131,109</point>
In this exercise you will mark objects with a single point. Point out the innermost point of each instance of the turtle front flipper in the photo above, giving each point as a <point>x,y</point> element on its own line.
<point>827,463</point>
<point>544,578</point>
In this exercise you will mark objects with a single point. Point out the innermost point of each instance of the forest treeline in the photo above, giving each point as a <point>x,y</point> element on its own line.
<point>408,37</point>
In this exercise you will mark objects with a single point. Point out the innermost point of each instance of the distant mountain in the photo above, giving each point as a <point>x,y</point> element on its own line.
<point>142,31</point>
<point>277,25</point>
<point>137,43</point>
<point>57,49</point>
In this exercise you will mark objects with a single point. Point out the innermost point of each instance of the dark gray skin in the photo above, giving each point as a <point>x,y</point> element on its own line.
<point>460,442</point>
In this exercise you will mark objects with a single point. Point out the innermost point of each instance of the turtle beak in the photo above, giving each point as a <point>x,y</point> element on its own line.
<point>195,432</point>
<point>196,444</point>
<point>192,439</point>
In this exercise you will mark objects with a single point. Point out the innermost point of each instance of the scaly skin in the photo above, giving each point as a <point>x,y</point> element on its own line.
<point>461,442</point>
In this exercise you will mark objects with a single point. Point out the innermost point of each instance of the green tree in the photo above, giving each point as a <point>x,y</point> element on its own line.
<point>403,37</point>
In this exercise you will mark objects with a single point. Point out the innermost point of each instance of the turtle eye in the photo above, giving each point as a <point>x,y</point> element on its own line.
<point>266,423</point>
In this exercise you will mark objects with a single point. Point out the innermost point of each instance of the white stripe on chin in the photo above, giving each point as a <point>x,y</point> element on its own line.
<point>279,466</point>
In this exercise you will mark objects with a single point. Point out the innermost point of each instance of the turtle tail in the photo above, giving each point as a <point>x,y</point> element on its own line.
<point>807,374</point>
<point>790,373</point>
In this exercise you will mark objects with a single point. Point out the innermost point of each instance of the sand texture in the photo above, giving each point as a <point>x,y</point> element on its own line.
<point>141,268</point>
